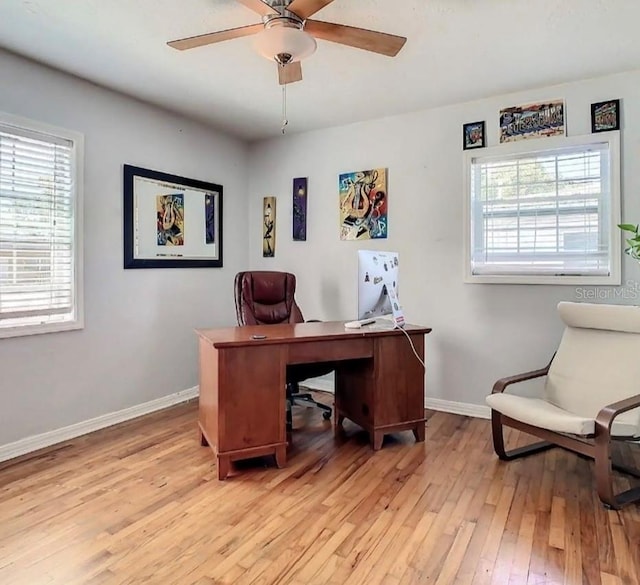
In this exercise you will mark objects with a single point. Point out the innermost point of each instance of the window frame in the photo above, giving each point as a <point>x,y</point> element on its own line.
<point>77,174</point>
<point>544,145</point>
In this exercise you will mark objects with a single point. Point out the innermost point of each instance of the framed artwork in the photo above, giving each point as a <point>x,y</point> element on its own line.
<point>605,116</point>
<point>532,121</point>
<point>171,221</point>
<point>363,204</point>
<point>300,210</point>
<point>473,135</point>
<point>269,227</point>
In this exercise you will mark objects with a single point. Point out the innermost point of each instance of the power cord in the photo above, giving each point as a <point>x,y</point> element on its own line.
<point>411,344</point>
<point>384,324</point>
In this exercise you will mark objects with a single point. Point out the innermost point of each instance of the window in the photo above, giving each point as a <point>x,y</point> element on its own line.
<point>40,212</point>
<point>546,214</point>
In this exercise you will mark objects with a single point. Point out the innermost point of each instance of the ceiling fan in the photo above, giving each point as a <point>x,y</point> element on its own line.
<point>286,35</point>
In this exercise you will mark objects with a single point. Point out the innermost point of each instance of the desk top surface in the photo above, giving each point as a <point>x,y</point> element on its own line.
<point>299,332</point>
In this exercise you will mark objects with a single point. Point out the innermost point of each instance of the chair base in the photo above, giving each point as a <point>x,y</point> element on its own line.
<point>294,398</point>
<point>308,399</point>
<point>599,451</point>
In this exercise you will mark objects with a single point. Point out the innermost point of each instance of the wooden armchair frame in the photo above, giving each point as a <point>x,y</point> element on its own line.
<point>596,446</point>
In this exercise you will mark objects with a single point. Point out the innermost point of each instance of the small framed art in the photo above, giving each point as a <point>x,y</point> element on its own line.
<point>473,135</point>
<point>605,116</point>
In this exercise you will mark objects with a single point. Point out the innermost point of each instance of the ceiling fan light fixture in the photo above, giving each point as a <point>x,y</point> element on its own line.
<point>284,40</point>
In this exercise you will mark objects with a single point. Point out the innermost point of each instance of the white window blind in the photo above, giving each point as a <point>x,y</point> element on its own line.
<point>37,191</point>
<point>546,213</point>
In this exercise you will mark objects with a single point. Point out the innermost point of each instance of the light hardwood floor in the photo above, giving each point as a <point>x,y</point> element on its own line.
<point>139,503</point>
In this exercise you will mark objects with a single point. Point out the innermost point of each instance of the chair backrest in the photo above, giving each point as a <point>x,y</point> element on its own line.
<point>265,297</point>
<point>598,361</point>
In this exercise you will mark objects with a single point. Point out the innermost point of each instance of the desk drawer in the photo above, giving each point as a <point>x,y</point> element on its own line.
<point>330,351</point>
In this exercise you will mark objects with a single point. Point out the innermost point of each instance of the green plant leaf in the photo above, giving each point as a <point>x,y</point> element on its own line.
<point>627,227</point>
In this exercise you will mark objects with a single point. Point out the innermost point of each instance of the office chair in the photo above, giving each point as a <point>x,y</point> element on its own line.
<point>265,297</point>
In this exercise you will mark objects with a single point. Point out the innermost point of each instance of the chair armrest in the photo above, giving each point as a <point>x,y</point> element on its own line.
<point>502,383</point>
<point>608,413</point>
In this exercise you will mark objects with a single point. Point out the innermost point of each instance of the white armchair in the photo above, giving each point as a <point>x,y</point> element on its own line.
<point>591,394</point>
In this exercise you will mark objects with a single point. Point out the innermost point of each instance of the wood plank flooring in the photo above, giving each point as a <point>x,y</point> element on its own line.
<point>139,503</point>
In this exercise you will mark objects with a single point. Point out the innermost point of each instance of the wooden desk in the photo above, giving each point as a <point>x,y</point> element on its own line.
<point>379,383</point>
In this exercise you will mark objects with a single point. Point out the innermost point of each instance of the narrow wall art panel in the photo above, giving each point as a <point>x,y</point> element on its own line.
<point>363,205</point>
<point>269,227</point>
<point>300,209</point>
<point>209,219</point>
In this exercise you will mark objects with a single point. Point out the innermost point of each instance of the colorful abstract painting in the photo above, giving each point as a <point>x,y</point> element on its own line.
<point>300,210</point>
<point>210,218</point>
<point>269,227</point>
<point>532,121</point>
<point>363,205</point>
<point>170,219</point>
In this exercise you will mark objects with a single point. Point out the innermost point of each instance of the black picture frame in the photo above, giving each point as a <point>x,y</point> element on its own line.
<point>145,246</point>
<point>605,116</point>
<point>473,135</point>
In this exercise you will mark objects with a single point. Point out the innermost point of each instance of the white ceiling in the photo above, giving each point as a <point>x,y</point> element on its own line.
<point>457,50</point>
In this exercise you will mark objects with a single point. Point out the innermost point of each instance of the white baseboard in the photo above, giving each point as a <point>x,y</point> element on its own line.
<point>464,408</point>
<point>29,444</point>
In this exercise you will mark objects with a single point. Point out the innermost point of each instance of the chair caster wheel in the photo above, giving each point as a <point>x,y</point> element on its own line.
<point>326,415</point>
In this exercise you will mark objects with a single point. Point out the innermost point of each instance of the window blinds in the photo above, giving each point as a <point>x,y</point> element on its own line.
<point>544,213</point>
<point>36,226</point>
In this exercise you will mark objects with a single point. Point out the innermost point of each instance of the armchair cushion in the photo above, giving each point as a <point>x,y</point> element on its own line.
<point>597,362</point>
<point>542,414</point>
<point>597,316</point>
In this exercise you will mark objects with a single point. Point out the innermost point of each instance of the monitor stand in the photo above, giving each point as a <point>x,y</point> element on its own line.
<point>396,308</point>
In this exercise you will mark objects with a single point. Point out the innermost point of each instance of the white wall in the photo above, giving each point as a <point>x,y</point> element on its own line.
<point>138,342</point>
<point>480,332</point>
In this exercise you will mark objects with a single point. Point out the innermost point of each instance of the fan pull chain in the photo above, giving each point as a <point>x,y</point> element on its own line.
<point>284,109</point>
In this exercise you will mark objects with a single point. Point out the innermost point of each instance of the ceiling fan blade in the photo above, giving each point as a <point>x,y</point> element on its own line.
<point>290,73</point>
<point>305,8</point>
<point>262,8</point>
<point>215,37</point>
<point>360,38</point>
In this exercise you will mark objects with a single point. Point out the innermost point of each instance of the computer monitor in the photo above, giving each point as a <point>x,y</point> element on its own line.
<point>377,274</point>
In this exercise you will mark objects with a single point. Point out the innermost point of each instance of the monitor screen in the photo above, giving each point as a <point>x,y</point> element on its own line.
<point>375,270</point>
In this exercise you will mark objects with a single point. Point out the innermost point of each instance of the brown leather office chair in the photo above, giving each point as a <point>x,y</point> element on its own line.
<point>266,297</point>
